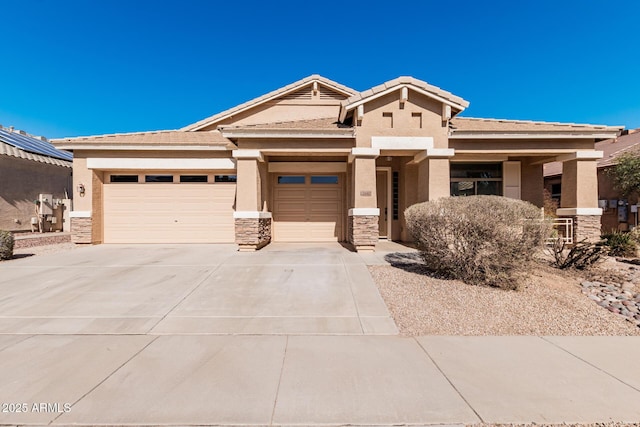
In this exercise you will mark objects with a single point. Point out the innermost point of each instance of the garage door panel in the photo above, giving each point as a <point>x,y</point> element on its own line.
<point>168,213</point>
<point>324,194</point>
<point>307,212</point>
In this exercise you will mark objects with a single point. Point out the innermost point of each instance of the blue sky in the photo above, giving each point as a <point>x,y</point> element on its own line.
<point>90,67</point>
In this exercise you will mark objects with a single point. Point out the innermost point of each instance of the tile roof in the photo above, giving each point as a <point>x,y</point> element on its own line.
<point>173,137</point>
<point>402,81</point>
<point>471,124</point>
<point>328,123</point>
<point>10,150</point>
<point>266,97</point>
<point>611,148</point>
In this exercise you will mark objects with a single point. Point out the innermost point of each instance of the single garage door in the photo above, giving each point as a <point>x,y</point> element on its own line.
<point>307,208</point>
<point>153,210</point>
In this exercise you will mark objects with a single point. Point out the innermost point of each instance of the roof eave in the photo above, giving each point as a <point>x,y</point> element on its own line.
<point>288,133</point>
<point>142,147</point>
<point>526,135</point>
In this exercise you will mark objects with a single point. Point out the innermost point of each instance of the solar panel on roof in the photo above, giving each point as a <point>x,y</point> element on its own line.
<point>33,145</point>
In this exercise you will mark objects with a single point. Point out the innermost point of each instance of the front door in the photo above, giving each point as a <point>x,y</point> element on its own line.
<point>382,177</point>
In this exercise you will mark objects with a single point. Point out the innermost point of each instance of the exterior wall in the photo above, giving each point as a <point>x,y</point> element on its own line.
<point>610,215</point>
<point>405,122</point>
<point>97,211</point>
<point>519,147</point>
<point>21,181</point>
<point>284,110</point>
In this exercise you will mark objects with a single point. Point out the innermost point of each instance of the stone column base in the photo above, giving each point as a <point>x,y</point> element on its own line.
<point>362,232</point>
<point>81,230</point>
<point>252,233</point>
<point>586,227</point>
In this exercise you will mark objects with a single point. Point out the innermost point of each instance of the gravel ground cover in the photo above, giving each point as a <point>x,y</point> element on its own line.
<point>551,302</point>
<point>40,250</point>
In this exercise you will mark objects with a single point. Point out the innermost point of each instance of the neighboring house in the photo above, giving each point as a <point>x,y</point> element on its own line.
<point>619,213</point>
<point>30,166</point>
<point>317,161</point>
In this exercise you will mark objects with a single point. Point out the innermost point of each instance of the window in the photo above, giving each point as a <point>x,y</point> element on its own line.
<point>469,179</point>
<point>324,179</point>
<point>158,178</point>
<point>193,178</point>
<point>395,189</point>
<point>123,178</point>
<point>226,178</point>
<point>291,179</point>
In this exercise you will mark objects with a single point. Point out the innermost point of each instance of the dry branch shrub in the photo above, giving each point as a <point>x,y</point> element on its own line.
<point>481,240</point>
<point>6,245</point>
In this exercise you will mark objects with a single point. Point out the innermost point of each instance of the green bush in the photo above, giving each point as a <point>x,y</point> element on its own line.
<point>481,240</point>
<point>6,245</point>
<point>620,244</point>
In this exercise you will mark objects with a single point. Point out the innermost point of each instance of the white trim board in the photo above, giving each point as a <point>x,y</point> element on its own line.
<point>159,163</point>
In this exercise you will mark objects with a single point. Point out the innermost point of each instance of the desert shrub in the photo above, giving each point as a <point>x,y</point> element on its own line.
<point>581,256</point>
<point>550,206</point>
<point>6,245</point>
<point>620,244</point>
<point>481,240</point>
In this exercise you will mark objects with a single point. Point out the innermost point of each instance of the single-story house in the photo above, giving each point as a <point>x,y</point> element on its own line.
<point>619,213</point>
<point>317,161</point>
<point>31,166</point>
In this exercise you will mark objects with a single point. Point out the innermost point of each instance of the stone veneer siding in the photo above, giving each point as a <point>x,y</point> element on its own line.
<point>81,229</point>
<point>586,227</point>
<point>253,233</point>
<point>363,230</point>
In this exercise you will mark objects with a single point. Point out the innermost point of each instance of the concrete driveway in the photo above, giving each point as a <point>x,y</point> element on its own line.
<point>203,335</point>
<point>192,289</point>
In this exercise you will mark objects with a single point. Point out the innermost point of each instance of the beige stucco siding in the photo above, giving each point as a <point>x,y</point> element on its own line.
<point>387,116</point>
<point>282,111</point>
<point>21,181</point>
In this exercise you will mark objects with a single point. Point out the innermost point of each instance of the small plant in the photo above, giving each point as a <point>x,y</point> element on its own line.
<point>481,240</point>
<point>6,245</point>
<point>620,244</point>
<point>582,256</point>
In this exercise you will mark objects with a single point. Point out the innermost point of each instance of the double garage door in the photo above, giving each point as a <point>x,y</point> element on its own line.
<point>168,212</point>
<point>307,208</point>
<point>148,209</point>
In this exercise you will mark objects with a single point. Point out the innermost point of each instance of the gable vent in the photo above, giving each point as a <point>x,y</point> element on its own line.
<point>299,94</point>
<point>326,93</point>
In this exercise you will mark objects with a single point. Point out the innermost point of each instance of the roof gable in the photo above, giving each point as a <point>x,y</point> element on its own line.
<point>328,89</point>
<point>398,84</point>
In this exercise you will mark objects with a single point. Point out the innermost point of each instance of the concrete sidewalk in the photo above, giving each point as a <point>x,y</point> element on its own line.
<point>318,380</point>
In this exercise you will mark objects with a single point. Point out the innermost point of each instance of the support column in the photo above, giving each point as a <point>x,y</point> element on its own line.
<point>253,226</point>
<point>86,216</point>
<point>433,173</point>
<point>362,225</point>
<point>579,199</point>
